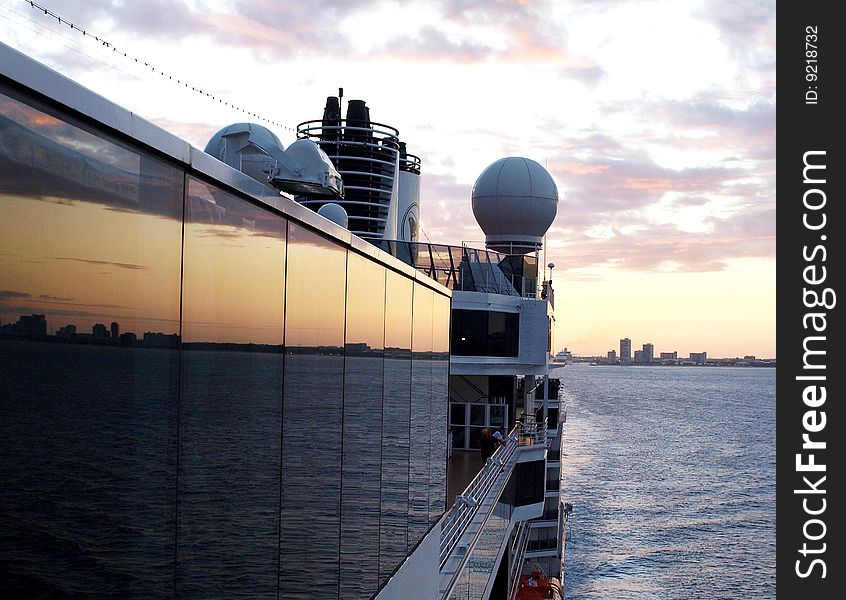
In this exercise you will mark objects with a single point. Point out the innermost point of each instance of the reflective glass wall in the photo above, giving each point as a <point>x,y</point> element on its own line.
<point>421,416</point>
<point>439,431</point>
<point>396,414</point>
<point>200,398</point>
<point>362,452</point>
<point>230,416</point>
<point>312,428</point>
<point>90,244</point>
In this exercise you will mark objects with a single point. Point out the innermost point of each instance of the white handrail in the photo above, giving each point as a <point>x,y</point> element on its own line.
<point>461,514</point>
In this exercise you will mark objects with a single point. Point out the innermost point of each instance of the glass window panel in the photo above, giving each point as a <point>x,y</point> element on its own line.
<point>393,536</point>
<point>311,415</point>
<point>457,435</point>
<point>475,434</point>
<point>90,244</point>
<point>439,406</point>
<point>421,399</point>
<point>458,414</point>
<point>485,333</point>
<point>362,459</point>
<point>497,416</point>
<point>477,414</point>
<point>469,332</point>
<point>230,411</point>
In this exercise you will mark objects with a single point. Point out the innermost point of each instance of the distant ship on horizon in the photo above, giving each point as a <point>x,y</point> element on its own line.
<point>563,357</point>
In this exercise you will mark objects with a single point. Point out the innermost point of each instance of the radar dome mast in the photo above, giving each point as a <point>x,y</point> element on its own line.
<point>515,201</point>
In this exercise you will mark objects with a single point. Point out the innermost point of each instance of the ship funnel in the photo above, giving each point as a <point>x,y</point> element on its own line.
<point>332,111</point>
<point>408,196</point>
<point>331,120</point>
<point>381,183</point>
<point>358,119</point>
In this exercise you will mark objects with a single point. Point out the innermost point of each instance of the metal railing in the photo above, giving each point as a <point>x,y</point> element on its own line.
<point>532,431</point>
<point>463,511</point>
<point>517,553</point>
<point>463,268</point>
<point>466,505</point>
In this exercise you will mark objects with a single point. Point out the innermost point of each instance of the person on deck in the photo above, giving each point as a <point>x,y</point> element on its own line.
<point>487,444</point>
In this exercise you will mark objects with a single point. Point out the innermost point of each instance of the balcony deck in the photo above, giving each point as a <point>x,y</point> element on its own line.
<point>462,467</point>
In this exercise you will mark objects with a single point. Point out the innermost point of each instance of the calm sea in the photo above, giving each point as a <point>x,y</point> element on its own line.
<point>671,471</point>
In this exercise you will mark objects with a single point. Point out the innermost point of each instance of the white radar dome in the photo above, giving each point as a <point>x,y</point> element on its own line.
<point>515,201</point>
<point>335,213</point>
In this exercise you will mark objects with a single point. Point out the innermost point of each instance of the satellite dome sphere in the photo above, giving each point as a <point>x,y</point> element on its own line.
<point>515,201</point>
<point>335,213</point>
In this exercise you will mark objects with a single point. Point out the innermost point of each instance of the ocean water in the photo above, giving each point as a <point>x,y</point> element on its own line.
<point>671,472</point>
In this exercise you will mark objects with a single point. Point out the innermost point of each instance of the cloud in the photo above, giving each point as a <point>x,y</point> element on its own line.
<point>618,207</point>
<point>525,25</point>
<point>595,186</point>
<point>120,265</point>
<point>589,75</point>
<point>524,31</point>
<point>285,28</point>
<point>666,248</point>
<point>690,201</point>
<point>152,18</point>
<point>196,133</point>
<point>432,44</point>
<point>749,28</point>
<point>446,210</point>
<point>12,295</point>
<point>750,130</point>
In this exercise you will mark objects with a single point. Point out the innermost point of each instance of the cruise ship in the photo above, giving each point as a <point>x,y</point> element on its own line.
<point>564,357</point>
<point>238,373</point>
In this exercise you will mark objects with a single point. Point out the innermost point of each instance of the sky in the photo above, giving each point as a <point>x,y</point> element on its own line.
<point>656,119</point>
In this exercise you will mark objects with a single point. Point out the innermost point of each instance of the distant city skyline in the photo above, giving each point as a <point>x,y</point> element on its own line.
<point>659,353</point>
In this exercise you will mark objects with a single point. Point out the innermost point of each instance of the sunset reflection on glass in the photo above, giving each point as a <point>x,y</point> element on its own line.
<point>393,537</point>
<point>90,244</point>
<point>312,415</point>
<point>421,414</point>
<point>230,440</point>
<point>363,382</point>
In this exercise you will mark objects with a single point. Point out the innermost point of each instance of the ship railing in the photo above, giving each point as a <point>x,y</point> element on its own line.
<point>462,513</point>
<point>517,552</point>
<point>532,431</point>
<point>468,269</point>
<point>466,505</point>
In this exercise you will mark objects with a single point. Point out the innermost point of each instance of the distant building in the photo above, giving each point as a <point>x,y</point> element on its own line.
<point>100,332</point>
<point>67,332</point>
<point>115,331</point>
<point>612,357</point>
<point>625,351</point>
<point>669,358</point>
<point>699,358</point>
<point>161,340</point>
<point>648,353</point>
<point>28,325</point>
<point>638,357</point>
